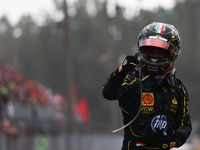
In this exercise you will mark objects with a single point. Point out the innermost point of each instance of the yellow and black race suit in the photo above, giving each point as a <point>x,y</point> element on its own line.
<point>163,106</point>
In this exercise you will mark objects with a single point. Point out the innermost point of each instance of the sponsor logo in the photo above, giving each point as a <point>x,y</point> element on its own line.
<point>146,110</point>
<point>165,145</point>
<point>159,122</point>
<point>172,144</point>
<point>125,62</point>
<point>174,106</point>
<point>173,110</point>
<point>188,108</point>
<point>147,99</point>
<point>159,36</point>
<point>173,90</point>
<point>174,101</point>
<point>154,60</point>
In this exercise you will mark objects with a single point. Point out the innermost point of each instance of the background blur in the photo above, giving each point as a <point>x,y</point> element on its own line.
<point>53,66</point>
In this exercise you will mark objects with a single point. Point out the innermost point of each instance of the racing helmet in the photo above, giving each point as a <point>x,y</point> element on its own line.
<point>159,46</point>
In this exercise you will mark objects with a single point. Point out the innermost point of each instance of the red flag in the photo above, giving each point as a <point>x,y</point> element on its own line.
<point>83,111</point>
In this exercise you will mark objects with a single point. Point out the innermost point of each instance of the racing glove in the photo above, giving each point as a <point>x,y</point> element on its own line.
<point>128,64</point>
<point>164,142</point>
<point>112,85</point>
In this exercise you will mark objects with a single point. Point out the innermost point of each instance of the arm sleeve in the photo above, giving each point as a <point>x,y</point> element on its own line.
<point>185,127</point>
<point>112,85</point>
<point>111,88</point>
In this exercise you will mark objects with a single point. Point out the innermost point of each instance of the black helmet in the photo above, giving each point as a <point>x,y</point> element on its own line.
<point>163,37</point>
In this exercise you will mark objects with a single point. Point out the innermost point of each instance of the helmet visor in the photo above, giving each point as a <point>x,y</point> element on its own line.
<point>157,43</point>
<point>155,51</point>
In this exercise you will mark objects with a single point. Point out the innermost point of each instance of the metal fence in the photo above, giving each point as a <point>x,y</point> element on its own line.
<point>78,141</point>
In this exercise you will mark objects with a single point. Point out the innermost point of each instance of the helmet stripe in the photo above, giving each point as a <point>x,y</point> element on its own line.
<point>160,27</point>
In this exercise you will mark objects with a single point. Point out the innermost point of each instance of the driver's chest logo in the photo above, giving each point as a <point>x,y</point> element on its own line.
<point>159,122</point>
<point>147,99</point>
<point>147,103</point>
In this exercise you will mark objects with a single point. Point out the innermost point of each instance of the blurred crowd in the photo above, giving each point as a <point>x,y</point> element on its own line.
<point>15,87</point>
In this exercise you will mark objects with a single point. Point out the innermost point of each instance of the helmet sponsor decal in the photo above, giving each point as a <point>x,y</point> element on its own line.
<point>154,60</point>
<point>159,122</point>
<point>158,37</point>
<point>147,99</point>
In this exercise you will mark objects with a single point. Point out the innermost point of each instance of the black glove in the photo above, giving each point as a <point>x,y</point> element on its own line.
<point>120,73</point>
<point>128,64</point>
<point>164,142</point>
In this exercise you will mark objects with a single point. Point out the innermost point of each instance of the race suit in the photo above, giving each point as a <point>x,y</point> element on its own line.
<point>163,106</point>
